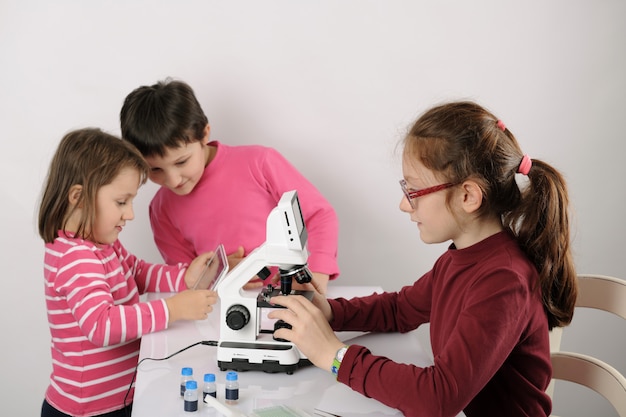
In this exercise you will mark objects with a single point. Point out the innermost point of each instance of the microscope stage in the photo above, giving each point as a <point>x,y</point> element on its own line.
<point>259,356</point>
<point>263,299</point>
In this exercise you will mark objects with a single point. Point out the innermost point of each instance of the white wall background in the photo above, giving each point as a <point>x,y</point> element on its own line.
<point>332,85</point>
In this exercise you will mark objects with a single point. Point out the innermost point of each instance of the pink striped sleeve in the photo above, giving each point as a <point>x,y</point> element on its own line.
<point>103,298</point>
<point>153,277</point>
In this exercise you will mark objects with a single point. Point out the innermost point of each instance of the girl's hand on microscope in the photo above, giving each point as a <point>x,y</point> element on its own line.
<point>309,331</point>
<point>320,282</point>
<point>191,305</point>
<point>320,301</point>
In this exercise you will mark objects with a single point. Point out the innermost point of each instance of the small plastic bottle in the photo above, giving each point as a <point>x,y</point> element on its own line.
<point>191,396</point>
<point>209,386</point>
<point>232,388</point>
<point>186,374</point>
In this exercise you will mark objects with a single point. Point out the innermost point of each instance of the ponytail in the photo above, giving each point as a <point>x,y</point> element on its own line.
<point>541,223</point>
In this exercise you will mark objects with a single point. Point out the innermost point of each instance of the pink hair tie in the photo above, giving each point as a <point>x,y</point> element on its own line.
<point>524,166</point>
<point>501,125</point>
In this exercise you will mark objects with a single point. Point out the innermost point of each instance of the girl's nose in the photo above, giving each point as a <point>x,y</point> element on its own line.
<point>405,206</point>
<point>129,213</point>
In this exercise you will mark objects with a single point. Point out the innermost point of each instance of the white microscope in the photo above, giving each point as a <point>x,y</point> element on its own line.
<point>243,344</point>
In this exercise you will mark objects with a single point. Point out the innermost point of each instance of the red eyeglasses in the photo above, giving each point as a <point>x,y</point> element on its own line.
<point>413,194</point>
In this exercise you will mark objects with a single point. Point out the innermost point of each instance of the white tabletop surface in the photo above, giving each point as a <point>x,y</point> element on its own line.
<point>307,389</point>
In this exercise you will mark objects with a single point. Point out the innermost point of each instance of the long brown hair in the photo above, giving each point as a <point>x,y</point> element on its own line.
<point>91,158</point>
<point>462,140</point>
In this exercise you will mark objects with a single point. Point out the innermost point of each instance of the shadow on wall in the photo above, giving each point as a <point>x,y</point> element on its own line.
<point>23,316</point>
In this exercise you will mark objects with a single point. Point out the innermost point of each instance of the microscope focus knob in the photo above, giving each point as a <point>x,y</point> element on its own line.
<point>237,316</point>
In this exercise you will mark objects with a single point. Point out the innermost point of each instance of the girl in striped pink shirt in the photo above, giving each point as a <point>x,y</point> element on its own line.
<point>93,284</point>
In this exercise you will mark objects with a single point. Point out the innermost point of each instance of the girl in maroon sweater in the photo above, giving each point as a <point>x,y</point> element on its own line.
<point>506,279</point>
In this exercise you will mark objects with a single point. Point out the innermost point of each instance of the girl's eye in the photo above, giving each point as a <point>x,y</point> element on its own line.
<point>183,162</point>
<point>121,203</point>
<point>412,189</point>
<point>155,169</point>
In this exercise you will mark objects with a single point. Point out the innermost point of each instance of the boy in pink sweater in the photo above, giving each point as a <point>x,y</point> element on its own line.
<point>212,193</point>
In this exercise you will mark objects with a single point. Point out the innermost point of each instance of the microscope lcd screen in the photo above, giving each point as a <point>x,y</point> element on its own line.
<point>297,213</point>
<point>214,270</point>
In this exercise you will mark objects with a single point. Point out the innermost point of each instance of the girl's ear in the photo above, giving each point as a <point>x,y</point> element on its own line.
<point>74,194</point>
<point>207,131</point>
<point>472,196</point>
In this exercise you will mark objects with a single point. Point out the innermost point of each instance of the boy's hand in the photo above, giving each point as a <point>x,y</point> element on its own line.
<point>191,305</point>
<point>235,257</point>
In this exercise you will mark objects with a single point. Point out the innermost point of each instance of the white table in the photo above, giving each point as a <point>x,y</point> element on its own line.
<point>307,389</point>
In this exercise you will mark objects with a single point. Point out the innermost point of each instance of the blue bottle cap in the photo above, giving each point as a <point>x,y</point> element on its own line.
<point>191,385</point>
<point>231,376</point>
<point>209,377</point>
<point>186,371</point>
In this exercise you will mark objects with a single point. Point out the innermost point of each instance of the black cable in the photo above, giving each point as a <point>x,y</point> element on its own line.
<point>203,342</point>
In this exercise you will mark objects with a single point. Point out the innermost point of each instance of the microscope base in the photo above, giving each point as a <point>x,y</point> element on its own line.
<point>254,356</point>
